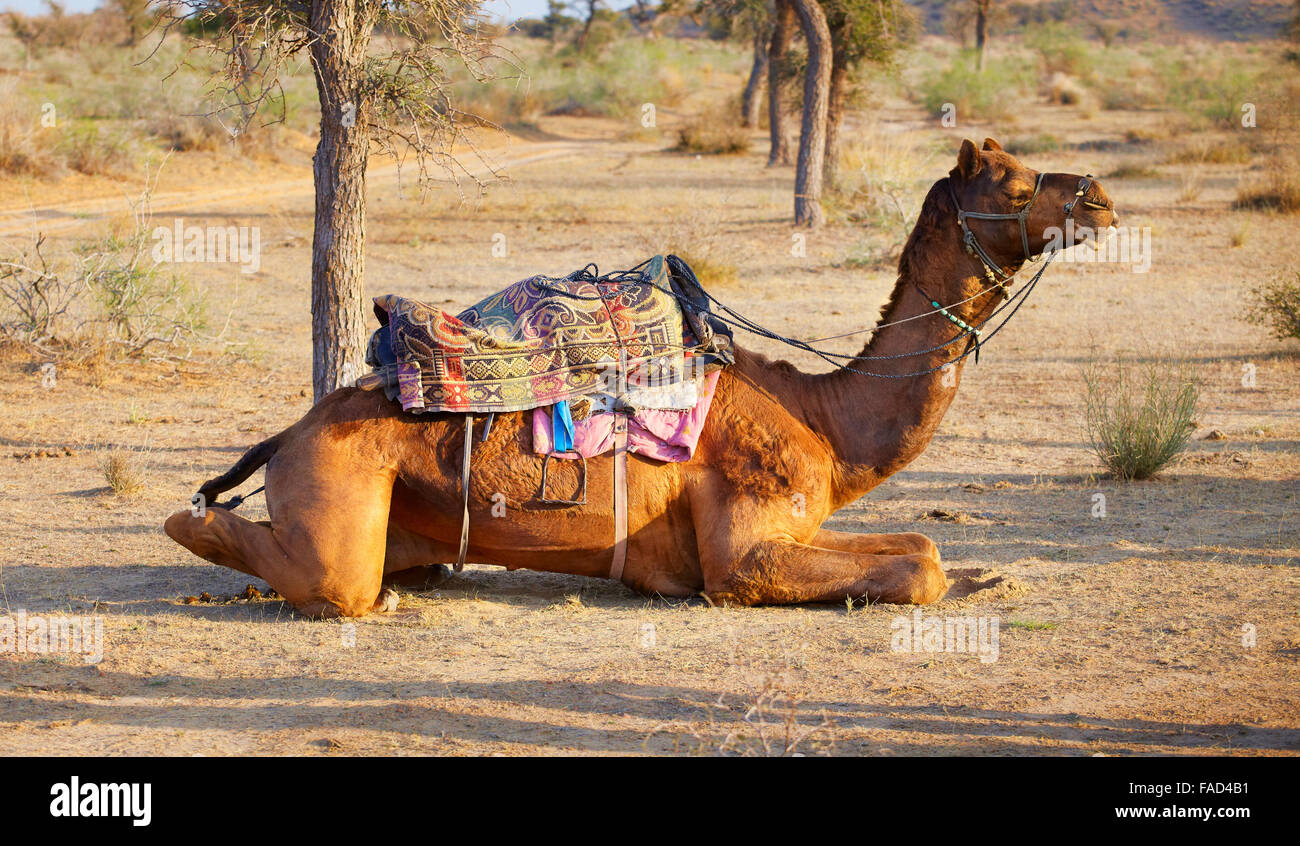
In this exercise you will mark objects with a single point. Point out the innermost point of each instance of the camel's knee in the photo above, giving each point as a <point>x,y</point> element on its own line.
<point>354,605</point>
<point>920,544</point>
<point>926,583</point>
<point>180,527</point>
<point>201,536</point>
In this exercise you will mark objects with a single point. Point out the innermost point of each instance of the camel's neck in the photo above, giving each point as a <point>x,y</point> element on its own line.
<point>876,425</point>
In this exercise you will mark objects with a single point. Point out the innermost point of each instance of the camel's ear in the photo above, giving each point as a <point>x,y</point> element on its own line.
<point>968,160</point>
<point>992,146</point>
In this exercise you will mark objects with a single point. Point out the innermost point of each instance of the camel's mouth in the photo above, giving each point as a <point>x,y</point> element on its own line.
<point>1092,238</point>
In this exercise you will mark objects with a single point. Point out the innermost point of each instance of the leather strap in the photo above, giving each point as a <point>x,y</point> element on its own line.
<point>620,497</point>
<point>464,489</point>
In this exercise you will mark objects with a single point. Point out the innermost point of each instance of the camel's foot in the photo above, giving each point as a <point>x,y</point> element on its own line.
<point>386,603</point>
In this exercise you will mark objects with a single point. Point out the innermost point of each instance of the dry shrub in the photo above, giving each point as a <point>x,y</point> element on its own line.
<point>1276,305</point>
<point>882,181</point>
<point>107,297</point>
<point>26,148</point>
<point>1139,417</point>
<point>1134,170</point>
<point>695,237</point>
<point>1065,91</point>
<point>86,151</point>
<point>1032,145</point>
<point>1278,189</point>
<point>191,133</point>
<point>712,137</point>
<point>123,472</point>
<point>1211,152</point>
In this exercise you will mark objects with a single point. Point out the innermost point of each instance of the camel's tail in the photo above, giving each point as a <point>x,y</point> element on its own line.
<point>244,467</point>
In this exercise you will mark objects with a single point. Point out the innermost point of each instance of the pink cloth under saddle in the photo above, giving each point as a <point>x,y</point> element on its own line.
<point>661,434</point>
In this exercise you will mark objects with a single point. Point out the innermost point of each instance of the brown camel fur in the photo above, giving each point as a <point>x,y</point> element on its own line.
<point>360,493</point>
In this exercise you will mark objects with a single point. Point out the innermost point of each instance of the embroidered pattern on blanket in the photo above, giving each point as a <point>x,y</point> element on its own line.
<point>528,346</point>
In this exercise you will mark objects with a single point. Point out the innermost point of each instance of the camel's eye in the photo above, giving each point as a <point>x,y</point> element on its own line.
<point>1019,193</point>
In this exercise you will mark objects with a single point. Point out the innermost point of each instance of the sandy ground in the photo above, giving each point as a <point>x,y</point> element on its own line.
<point>1119,635</point>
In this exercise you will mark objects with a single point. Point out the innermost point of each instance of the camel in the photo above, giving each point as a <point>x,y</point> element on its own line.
<point>362,495</point>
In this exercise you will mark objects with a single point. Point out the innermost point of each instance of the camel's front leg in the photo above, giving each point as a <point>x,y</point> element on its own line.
<point>784,571</point>
<point>904,543</point>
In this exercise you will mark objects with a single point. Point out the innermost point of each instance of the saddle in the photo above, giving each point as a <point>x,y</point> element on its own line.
<point>634,339</point>
<point>624,344</point>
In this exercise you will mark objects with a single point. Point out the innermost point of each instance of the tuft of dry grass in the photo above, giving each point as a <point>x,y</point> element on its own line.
<point>1134,170</point>
<point>1139,420</point>
<point>712,137</point>
<point>711,271</point>
<point>1211,152</point>
<point>1190,185</point>
<point>25,146</point>
<point>1277,190</point>
<point>695,237</point>
<point>123,472</point>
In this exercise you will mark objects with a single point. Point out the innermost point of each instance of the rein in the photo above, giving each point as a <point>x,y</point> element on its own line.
<point>999,280</point>
<point>974,333</point>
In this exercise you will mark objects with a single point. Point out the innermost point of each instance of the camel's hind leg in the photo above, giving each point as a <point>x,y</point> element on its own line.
<point>324,551</point>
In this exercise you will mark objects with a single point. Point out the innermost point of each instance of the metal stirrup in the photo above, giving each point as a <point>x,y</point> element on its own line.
<point>464,489</point>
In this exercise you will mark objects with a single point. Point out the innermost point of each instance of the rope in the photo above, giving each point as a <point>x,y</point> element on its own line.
<point>737,320</point>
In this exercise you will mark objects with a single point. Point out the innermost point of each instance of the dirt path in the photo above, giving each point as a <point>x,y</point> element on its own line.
<point>94,212</point>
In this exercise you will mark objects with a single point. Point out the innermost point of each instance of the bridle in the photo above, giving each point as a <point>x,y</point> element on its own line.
<point>972,243</point>
<point>998,278</point>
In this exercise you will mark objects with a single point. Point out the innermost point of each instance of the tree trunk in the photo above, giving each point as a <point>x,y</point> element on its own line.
<point>586,27</point>
<point>839,95</point>
<point>751,102</point>
<point>816,95</point>
<point>781,32</point>
<point>981,31</point>
<point>338,315</point>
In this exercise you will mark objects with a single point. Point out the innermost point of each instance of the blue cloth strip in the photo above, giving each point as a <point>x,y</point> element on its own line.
<point>561,427</point>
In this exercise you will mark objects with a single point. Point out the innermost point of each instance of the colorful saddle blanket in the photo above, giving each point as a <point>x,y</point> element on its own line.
<point>634,339</point>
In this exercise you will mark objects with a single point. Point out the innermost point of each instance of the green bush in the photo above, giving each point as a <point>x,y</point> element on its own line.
<point>1139,417</point>
<point>1062,49</point>
<point>990,94</point>
<point>1276,305</point>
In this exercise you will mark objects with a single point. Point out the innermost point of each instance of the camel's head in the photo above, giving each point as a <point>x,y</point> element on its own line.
<point>991,181</point>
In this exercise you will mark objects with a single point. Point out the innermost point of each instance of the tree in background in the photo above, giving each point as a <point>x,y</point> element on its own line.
<point>810,166</point>
<point>783,26</point>
<point>974,18</point>
<point>139,17</point>
<point>862,32</point>
<point>396,99</point>
<point>591,7</point>
<point>981,30</point>
<point>754,18</point>
<point>26,32</point>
